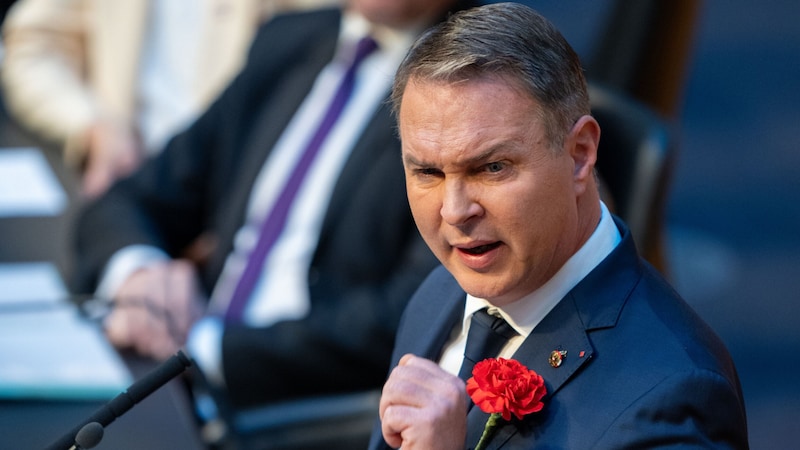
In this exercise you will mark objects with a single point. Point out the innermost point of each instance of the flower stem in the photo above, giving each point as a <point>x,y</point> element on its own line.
<point>488,431</point>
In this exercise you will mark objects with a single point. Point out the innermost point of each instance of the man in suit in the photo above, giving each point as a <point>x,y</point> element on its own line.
<point>499,152</point>
<point>323,315</point>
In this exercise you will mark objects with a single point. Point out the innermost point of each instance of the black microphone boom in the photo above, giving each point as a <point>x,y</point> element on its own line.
<point>120,404</point>
<point>88,436</point>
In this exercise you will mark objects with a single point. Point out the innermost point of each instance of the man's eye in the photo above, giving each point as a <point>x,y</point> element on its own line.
<point>427,171</point>
<point>494,167</point>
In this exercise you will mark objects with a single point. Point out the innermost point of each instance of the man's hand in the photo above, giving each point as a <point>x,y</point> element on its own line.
<point>114,152</point>
<point>423,407</point>
<point>155,308</point>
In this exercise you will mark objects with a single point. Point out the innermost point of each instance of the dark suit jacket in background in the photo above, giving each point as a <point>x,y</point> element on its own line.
<point>642,369</point>
<point>369,259</point>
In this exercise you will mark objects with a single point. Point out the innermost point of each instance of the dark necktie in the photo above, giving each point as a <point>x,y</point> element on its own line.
<point>274,223</point>
<point>487,335</point>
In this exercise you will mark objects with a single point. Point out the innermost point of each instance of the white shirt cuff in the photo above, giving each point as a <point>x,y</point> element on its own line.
<point>205,347</point>
<point>124,263</point>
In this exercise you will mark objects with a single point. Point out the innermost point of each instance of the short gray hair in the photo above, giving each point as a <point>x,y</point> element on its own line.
<point>509,40</point>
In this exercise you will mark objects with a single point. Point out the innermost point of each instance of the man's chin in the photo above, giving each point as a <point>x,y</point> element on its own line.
<point>478,285</point>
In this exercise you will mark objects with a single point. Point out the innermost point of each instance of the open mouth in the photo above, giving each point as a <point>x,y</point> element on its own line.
<point>481,249</point>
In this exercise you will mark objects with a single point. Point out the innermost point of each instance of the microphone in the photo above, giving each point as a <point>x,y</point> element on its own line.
<point>120,404</point>
<point>88,437</point>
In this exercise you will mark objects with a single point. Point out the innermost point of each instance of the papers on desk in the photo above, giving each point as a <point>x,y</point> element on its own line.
<point>21,283</point>
<point>47,349</point>
<point>28,186</point>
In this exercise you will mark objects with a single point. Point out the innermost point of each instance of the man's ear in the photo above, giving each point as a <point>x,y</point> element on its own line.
<point>582,143</point>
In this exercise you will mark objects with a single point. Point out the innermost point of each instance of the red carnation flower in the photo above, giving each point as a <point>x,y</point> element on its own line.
<point>502,387</point>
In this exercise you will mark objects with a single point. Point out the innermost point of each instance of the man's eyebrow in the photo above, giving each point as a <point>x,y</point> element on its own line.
<point>482,157</point>
<point>490,154</point>
<point>411,160</point>
<point>485,155</point>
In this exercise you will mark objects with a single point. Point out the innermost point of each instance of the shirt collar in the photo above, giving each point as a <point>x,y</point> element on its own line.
<point>524,314</point>
<point>390,40</point>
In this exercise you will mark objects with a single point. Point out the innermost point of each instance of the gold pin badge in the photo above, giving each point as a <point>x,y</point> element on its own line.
<point>557,357</point>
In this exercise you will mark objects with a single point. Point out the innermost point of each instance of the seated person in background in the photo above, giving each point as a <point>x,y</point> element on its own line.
<point>111,81</point>
<point>499,152</point>
<point>318,311</point>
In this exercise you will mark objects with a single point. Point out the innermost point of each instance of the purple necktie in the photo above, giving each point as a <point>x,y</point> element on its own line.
<point>274,223</point>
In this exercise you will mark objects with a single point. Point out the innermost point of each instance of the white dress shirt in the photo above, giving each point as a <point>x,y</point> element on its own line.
<point>168,70</point>
<point>524,314</point>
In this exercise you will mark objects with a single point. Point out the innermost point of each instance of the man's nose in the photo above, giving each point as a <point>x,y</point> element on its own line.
<point>459,203</point>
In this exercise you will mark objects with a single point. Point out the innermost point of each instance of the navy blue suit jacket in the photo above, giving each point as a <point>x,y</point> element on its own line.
<point>642,369</point>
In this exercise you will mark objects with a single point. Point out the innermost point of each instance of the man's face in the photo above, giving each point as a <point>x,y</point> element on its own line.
<point>496,204</point>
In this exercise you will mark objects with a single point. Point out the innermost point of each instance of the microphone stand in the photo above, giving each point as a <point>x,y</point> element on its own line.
<point>120,404</point>
<point>88,436</point>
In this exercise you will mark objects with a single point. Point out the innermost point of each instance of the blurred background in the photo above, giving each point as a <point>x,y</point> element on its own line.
<point>732,220</point>
<point>733,214</point>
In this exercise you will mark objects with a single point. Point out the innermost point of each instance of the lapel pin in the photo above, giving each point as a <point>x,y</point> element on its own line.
<point>557,357</point>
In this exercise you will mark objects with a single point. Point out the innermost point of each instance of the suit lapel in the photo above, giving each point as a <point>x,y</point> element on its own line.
<point>439,333</point>
<point>369,147</point>
<point>435,313</point>
<point>561,330</point>
<point>593,304</point>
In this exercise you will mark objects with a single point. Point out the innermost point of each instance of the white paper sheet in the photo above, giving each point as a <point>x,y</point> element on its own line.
<point>54,353</point>
<point>26,282</point>
<point>47,349</point>
<point>28,186</point>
